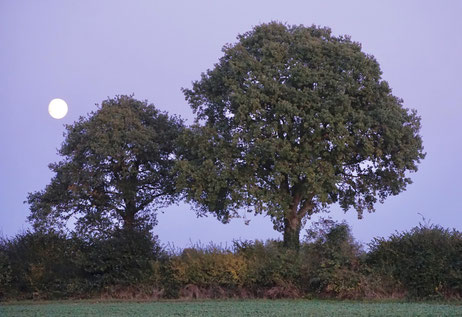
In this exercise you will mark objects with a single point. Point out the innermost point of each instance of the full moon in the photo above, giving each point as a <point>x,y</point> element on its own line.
<point>57,108</point>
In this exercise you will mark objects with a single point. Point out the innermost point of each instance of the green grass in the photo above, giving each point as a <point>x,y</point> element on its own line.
<point>231,308</point>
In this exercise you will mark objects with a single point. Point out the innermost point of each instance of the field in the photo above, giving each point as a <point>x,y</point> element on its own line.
<point>231,308</point>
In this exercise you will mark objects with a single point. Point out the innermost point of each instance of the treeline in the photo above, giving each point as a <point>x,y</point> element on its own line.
<point>290,121</point>
<point>423,263</point>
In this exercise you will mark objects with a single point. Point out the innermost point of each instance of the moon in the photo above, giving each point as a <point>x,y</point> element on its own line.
<point>57,108</point>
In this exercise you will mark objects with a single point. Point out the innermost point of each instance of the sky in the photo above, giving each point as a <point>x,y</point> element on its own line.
<point>86,51</point>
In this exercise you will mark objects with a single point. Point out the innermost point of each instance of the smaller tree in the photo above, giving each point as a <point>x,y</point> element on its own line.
<point>117,169</point>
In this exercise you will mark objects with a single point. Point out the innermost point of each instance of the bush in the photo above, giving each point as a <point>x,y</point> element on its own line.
<point>426,260</point>
<point>5,270</point>
<point>269,265</point>
<point>210,267</point>
<point>331,261</point>
<point>52,265</point>
<point>41,265</point>
<point>125,258</point>
<point>164,276</point>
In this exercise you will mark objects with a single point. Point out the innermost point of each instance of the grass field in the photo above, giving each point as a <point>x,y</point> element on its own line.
<point>230,308</point>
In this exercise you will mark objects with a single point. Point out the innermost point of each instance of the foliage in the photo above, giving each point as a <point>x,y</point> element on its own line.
<point>332,261</point>
<point>52,265</point>
<point>200,271</point>
<point>42,265</point>
<point>5,270</point>
<point>122,259</point>
<point>290,120</point>
<point>210,267</point>
<point>424,262</point>
<point>269,264</point>
<point>117,168</point>
<point>165,277</point>
<point>427,260</point>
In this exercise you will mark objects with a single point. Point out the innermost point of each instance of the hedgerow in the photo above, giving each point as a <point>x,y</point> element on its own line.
<point>425,262</point>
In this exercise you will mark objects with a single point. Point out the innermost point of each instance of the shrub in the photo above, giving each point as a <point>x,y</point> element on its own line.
<point>164,276</point>
<point>52,265</point>
<point>41,265</point>
<point>269,265</point>
<point>427,260</point>
<point>331,261</point>
<point>124,258</point>
<point>210,267</point>
<point>5,270</point>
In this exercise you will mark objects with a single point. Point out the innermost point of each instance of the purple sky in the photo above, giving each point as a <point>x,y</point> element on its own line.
<point>86,51</point>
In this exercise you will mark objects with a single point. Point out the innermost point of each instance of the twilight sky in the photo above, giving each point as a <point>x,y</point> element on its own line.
<point>85,51</point>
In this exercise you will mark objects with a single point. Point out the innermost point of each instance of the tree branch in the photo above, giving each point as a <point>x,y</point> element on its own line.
<point>307,207</point>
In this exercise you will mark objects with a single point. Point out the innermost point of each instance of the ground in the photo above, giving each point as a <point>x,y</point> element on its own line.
<point>230,308</point>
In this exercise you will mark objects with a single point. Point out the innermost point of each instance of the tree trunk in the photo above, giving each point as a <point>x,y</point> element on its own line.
<point>128,223</point>
<point>292,233</point>
<point>129,218</point>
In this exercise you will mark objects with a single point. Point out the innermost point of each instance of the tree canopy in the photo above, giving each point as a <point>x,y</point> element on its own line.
<point>117,168</point>
<point>291,120</point>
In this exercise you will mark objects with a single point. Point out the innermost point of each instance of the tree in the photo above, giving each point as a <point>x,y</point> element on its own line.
<point>291,120</point>
<point>117,169</point>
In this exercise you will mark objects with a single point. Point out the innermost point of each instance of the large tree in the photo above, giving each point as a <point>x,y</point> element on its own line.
<point>291,120</point>
<point>117,168</point>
